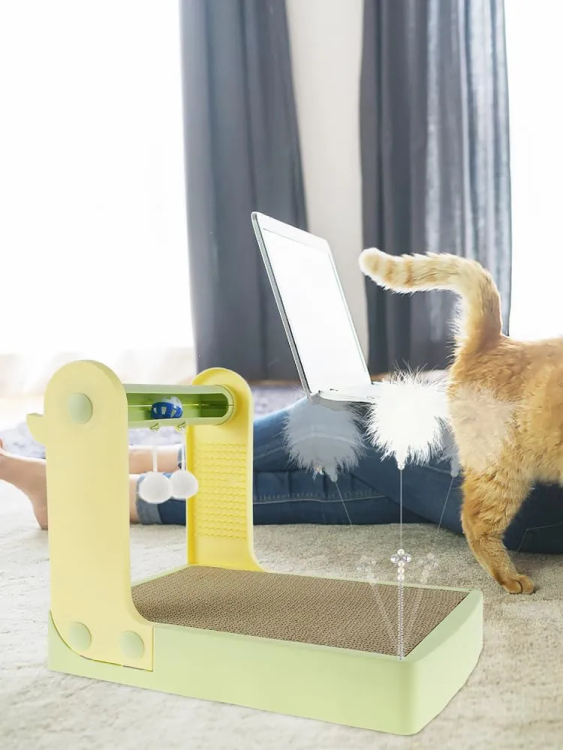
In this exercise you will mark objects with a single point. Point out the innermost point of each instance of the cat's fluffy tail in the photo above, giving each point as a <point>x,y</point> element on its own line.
<point>480,321</point>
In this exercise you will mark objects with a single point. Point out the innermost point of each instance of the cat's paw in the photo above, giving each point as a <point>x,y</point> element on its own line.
<point>518,585</point>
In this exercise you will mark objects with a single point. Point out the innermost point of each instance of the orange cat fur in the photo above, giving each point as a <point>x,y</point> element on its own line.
<point>505,401</point>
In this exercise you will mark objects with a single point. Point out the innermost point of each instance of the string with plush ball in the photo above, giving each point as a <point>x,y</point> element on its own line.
<point>183,483</point>
<point>406,421</point>
<point>157,487</point>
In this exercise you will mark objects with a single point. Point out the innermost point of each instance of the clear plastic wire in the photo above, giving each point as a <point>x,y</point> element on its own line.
<point>374,588</point>
<point>430,563</point>
<point>400,593</point>
<point>403,629</point>
<point>183,459</point>
<point>400,508</point>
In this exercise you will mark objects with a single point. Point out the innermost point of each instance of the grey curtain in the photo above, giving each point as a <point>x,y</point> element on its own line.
<point>242,155</point>
<point>435,159</point>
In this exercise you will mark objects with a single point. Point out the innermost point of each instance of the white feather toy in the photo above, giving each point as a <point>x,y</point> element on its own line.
<point>322,439</point>
<point>408,417</point>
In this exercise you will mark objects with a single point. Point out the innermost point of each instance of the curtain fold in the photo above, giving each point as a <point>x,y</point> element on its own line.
<point>242,154</point>
<point>435,159</point>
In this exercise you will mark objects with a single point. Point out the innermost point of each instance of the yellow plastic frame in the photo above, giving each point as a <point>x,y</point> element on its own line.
<point>87,480</point>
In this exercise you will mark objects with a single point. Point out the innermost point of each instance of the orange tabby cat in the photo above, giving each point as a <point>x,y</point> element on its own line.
<point>505,400</point>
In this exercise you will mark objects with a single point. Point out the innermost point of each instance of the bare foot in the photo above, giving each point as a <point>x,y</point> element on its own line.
<point>28,475</point>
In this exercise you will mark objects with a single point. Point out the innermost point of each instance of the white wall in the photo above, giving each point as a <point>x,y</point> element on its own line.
<point>326,37</point>
<point>535,60</point>
<point>92,191</point>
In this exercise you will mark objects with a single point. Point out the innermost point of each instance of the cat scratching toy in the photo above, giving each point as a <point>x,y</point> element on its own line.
<point>220,627</point>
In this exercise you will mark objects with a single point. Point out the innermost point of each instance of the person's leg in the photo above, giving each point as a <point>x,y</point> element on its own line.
<point>29,476</point>
<point>538,526</point>
<point>140,458</point>
<point>367,495</point>
<point>428,490</point>
<point>285,494</point>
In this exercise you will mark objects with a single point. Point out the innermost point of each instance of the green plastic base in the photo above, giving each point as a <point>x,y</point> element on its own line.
<point>353,688</point>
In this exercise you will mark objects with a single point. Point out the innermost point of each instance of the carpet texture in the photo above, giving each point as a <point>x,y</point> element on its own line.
<point>513,700</point>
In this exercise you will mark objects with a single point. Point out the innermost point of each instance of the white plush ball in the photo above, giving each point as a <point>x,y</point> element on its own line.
<point>184,484</point>
<point>155,488</point>
<point>408,415</point>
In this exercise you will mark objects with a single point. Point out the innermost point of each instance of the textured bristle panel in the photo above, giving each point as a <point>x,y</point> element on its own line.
<point>221,503</point>
<point>323,611</point>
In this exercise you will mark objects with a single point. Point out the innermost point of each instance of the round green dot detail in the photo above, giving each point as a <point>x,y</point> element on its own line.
<point>79,637</point>
<point>132,646</point>
<point>80,408</point>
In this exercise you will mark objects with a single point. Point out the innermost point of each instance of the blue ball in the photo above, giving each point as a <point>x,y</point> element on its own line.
<point>169,408</point>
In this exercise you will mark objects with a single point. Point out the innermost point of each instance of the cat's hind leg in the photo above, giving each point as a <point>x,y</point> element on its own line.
<point>491,499</point>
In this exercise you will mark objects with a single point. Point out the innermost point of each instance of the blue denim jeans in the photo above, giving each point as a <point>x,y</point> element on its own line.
<point>369,494</point>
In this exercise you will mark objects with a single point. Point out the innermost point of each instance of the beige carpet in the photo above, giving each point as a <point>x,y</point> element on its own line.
<point>513,700</point>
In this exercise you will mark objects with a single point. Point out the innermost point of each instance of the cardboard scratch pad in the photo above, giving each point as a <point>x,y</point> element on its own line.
<point>323,611</point>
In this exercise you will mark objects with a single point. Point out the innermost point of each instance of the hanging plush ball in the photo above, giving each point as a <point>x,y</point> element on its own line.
<point>184,484</point>
<point>407,417</point>
<point>155,488</point>
<point>323,440</point>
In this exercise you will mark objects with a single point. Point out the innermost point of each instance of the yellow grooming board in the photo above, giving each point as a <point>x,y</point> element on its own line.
<point>95,629</point>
